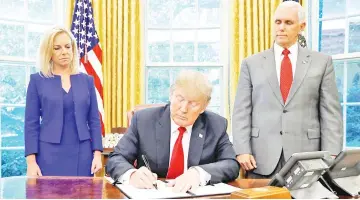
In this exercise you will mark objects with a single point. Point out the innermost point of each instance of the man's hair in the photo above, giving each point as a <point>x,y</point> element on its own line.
<point>194,83</point>
<point>45,51</point>
<point>297,6</point>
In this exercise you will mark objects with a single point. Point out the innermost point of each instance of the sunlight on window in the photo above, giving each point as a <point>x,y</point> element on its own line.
<point>183,35</point>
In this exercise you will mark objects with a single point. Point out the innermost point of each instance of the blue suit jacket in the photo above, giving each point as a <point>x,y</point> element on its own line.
<point>149,133</point>
<point>44,99</point>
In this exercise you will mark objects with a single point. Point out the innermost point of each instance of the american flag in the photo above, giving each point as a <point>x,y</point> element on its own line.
<point>83,28</point>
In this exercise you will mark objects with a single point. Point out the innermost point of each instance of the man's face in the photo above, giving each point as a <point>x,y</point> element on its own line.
<point>287,26</point>
<point>185,109</point>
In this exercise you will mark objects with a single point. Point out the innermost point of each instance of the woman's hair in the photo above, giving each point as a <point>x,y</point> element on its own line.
<point>46,51</point>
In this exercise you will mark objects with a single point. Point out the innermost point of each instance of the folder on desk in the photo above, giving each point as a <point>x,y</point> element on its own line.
<point>166,192</point>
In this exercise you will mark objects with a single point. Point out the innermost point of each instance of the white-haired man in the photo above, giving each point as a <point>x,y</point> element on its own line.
<point>286,101</point>
<point>181,140</point>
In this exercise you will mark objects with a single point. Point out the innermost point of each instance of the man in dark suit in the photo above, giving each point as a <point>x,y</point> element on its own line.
<point>181,141</point>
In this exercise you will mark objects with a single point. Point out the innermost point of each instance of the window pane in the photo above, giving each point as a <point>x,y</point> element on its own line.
<point>13,163</point>
<point>158,85</point>
<point>353,81</point>
<point>12,40</point>
<point>184,45</point>
<point>13,9</point>
<point>331,8</point>
<point>209,13</point>
<point>33,44</point>
<point>33,70</point>
<point>209,45</point>
<point>12,126</point>
<point>332,36</point>
<point>35,32</point>
<point>209,52</point>
<point>159,46</point>
<point>339,73</point>
<point>12,83</point>
<point>46,7</point>
<point>353,7</point>
<point>354,34</point>
<point>184,14</point>
<point>184,52</point>
<point>161,78</point>
<point>158,14</point>
<point>353,126</point>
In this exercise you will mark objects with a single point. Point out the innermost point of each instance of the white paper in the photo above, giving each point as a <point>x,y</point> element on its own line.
<point>166,192</point>
<point>216,189</point>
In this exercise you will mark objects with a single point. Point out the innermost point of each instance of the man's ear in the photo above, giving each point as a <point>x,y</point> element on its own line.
<point>302,26</point>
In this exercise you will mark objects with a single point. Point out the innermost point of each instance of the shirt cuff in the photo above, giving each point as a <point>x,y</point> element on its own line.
<point>204,176</point>
<point>125,178</point>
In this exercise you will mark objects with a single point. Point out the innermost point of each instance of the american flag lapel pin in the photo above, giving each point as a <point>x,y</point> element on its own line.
<point>200,135</point>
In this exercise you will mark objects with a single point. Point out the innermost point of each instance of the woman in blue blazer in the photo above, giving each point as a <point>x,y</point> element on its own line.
<point>62,123</point>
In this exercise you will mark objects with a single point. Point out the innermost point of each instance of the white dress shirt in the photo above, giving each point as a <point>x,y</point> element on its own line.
<point>279,57</point>
<point>204,176</point>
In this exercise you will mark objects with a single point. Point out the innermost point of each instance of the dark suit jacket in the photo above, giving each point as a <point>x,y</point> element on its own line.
<point>44,99</point>
<point>149,134</point>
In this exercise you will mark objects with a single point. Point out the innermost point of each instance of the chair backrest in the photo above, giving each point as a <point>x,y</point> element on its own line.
<point>131,113</point>
<point>120,130</point>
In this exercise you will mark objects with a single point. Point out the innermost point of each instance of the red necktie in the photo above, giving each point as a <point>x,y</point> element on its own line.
<point>176,167</point>
<point>286,75</point>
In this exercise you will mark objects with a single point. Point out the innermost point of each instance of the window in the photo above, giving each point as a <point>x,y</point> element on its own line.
<point>22,23</point>
<point>335,30</point>
<point>187,34</point>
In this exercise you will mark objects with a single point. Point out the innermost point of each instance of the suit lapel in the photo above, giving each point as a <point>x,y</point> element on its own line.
<point>162,134</point>
<point>75,84</point>
<point>302,66</point>
<point>197,138</point>
<point>269,66</point>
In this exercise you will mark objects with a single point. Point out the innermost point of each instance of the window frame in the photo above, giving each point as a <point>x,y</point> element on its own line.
<point>224,53</point>
<point>313,35</point>
<point>59,13</point>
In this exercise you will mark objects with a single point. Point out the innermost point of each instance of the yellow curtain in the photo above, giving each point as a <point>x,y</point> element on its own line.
<point>119,26</point>
<point>251,32</point>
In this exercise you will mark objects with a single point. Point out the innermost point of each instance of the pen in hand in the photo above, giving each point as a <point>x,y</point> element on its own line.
<point>147,164</point>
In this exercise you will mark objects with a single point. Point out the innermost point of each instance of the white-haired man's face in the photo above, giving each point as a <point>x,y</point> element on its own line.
<point>287,26</point>
<point>185,109</point>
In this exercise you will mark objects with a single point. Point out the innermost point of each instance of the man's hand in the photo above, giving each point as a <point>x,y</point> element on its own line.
<point>143,178</point>
<point>190,180</point>
<point>246,161</point>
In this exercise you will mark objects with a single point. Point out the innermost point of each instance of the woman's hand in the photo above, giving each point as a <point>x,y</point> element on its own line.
<point>96,163</point>
<point>33,168</point>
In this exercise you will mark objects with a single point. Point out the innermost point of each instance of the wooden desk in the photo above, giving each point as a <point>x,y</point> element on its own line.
<point>78,188</point>
<point>22,187</point>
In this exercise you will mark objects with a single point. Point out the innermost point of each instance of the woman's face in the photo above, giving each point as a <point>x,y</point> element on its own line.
<point>62,54</point>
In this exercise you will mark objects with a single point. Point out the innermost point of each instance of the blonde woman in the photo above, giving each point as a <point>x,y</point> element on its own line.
<point>62,123</point>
